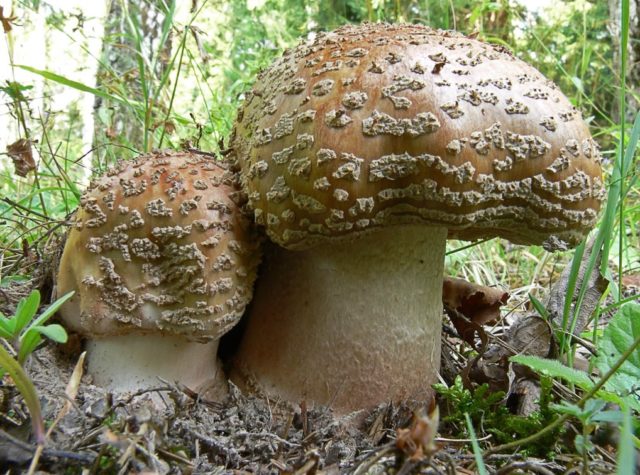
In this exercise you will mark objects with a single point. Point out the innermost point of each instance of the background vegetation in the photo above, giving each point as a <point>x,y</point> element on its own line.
<point>171,75</point>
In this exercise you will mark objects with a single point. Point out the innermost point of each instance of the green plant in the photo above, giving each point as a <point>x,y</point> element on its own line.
<point>479,404</point>
<point>618,361</point>
<point>488,411</point>
<point>590,415</point>
<point>25,330</point>
<point>617,337</point>
<point>28,391</point>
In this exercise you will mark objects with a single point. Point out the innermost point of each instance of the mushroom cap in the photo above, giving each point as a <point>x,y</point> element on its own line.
<point>386,124</point>
<point>158,245</point>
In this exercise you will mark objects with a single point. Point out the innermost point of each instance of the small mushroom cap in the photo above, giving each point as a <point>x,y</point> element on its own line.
<point>158,245</point>
<point>381,124</point>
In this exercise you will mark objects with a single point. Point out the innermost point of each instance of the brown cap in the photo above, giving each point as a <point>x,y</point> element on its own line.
<point>158,245</point>
<point>380,124</point>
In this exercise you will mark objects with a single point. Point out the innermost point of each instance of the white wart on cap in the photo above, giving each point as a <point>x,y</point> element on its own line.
<point>163,264</point>
<point>400,136</point>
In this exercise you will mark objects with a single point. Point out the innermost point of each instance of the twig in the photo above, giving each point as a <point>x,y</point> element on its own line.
<point>523,466</point>
<point>47,454</point>
<point>308,466</point>
<point>407,467</point>
<point>461,441</point>
<point>25,209</point>
<point>277,438</point>
<point>364,468</point>
<point>174,457</point>
<point>35,459</point>
<point>71,392</point>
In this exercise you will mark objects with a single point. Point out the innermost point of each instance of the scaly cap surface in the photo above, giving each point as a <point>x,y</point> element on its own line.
<point>379,124</point>
<point>158,245</point>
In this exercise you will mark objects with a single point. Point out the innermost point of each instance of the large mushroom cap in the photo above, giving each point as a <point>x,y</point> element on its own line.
<point>380,124</point>
<point>158,246</point>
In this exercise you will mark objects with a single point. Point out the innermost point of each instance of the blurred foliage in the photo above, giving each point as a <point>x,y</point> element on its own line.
<point>568,42</point>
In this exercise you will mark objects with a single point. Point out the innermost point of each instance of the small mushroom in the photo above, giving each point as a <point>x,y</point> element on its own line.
<point>163,264</point>
<point>348,308</point>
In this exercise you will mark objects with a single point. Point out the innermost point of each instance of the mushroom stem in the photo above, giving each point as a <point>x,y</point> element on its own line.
<point>348,324</point>
<point>134,362</point>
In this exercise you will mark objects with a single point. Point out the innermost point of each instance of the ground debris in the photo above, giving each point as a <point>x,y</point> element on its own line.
<point>531,334</point>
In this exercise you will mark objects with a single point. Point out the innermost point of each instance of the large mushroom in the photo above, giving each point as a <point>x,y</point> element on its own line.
<point>163,264</point>
<point>361,152</point>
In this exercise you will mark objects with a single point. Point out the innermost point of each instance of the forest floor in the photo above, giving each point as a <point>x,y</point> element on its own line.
<point>169,430</point>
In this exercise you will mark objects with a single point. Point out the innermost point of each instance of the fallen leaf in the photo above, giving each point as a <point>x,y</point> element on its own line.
<point>631,280</point>
<point>22,155</point>
<point>493,374</point>
<point>418,441</point>
<point>71,391</point>
<point>525,396</point>
<point>7,20</point>
<point>478,303</point>
<point>530,335</point>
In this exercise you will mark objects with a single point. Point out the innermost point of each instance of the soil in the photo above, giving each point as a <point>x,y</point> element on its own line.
<point>168,430</point>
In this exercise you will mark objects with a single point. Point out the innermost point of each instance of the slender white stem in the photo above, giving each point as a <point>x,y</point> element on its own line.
<point>348,324</point>
<point>134,362</point>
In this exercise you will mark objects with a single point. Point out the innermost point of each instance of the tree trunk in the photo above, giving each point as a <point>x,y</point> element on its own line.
<point>120,71</point>
<point>632,78</point>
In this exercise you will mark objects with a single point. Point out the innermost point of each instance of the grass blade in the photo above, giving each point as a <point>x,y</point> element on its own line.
<point>626,460</point>
<point>74,84</point>
<point>477,453</point>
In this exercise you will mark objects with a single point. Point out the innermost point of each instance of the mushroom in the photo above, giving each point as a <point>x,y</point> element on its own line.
<point>361,152</point>
<point>163,264</point>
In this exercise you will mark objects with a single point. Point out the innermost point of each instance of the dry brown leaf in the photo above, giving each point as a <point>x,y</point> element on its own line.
<point>493,374</point>
<point>21,153</point>
<point>592,288</point>
<point>531,335</point>
<point>418,441</point>
<point>7,20</point>
<point>479,303</point>
<point>631,280</point>
<point>71,391</point>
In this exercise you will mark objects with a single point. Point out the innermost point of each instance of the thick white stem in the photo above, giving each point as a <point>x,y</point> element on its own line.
<point>134,362</point>
<point>349,324</point>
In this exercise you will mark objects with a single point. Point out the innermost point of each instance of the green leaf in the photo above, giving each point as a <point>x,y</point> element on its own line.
<point>577,82</point>
<point>51,310</point>
<point>27,308</point>
<point>28,391</point>
<point>555,369</point>
<point>28,343</point>
<point>617,337</point>
<point>4,330</point>
<point>54,332</point>
<point>539,307</point>
<point>614,417</point>
<point>568,408</point>
<point>5,281</point>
